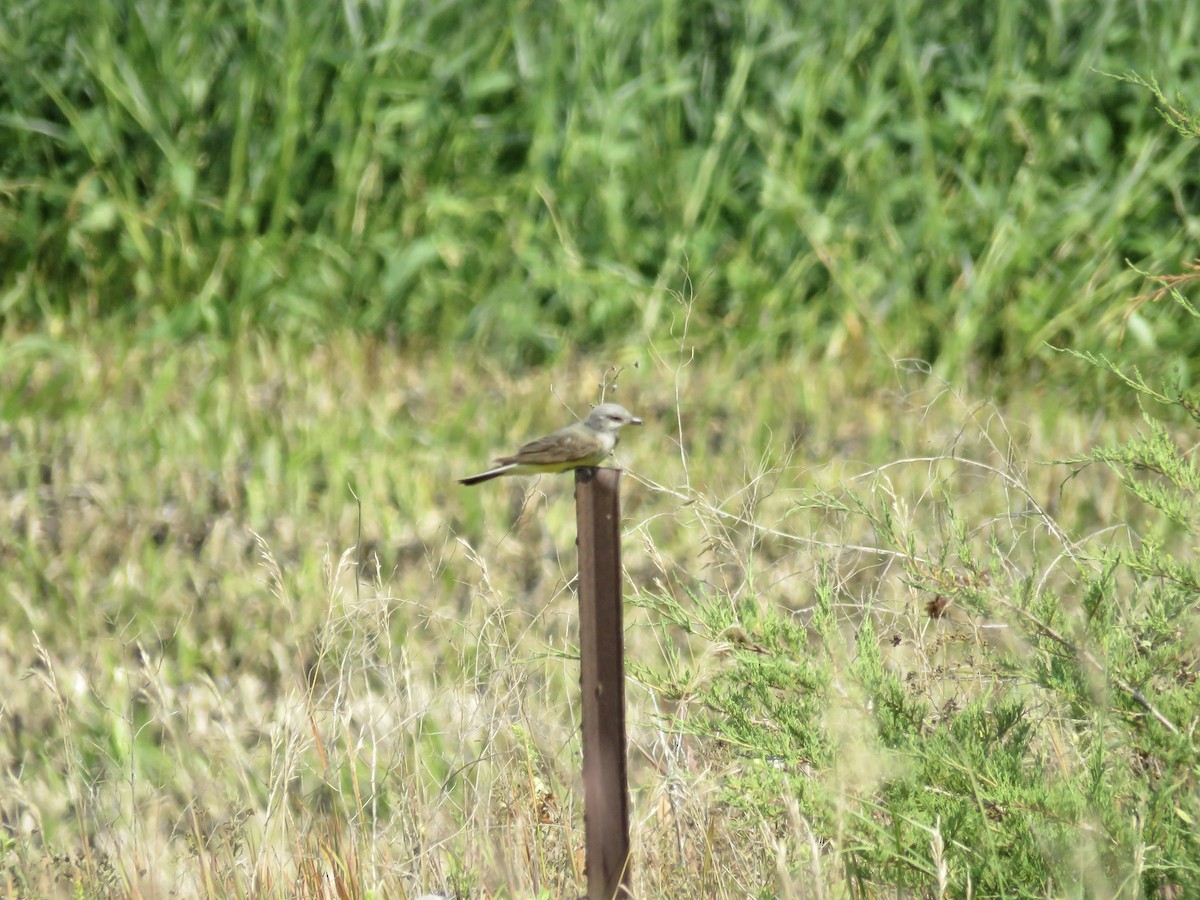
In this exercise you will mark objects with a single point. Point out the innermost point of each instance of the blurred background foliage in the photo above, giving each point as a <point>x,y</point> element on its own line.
<point>956,182</point>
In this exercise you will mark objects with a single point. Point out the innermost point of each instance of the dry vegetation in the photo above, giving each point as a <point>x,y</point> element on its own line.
<point>224,677</point>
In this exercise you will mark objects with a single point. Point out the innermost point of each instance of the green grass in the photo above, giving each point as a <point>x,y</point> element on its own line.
<point>950,184</point>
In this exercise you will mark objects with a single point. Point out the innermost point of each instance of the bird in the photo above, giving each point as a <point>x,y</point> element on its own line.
<point>583,444</point>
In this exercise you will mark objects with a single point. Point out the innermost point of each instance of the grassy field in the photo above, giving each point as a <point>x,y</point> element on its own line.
<point>529,179</point>
<point>911,602</point>
<point>873,641</point>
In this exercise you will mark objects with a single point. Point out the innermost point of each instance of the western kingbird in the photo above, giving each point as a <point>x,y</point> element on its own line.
<point>586,443</point>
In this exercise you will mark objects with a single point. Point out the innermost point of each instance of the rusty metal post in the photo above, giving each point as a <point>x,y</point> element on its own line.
<point>602,676</point>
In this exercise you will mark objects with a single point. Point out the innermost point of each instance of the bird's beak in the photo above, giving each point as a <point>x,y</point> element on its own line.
<point>634,420</point>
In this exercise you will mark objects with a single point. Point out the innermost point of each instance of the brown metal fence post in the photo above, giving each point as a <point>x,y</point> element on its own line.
<point>602,676</point>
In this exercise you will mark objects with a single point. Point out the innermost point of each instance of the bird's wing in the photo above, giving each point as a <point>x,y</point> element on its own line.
<point>568,444</point>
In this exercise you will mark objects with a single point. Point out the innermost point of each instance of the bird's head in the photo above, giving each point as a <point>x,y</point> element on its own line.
<point>611,417</point>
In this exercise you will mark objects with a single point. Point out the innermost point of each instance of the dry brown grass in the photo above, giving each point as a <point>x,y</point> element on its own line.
<point>218,682</point>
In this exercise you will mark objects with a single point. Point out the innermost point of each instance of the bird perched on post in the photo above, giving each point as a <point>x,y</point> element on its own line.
<point>584,444</point>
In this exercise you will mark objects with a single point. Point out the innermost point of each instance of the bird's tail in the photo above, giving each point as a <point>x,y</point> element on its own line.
<point>485,476</point>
